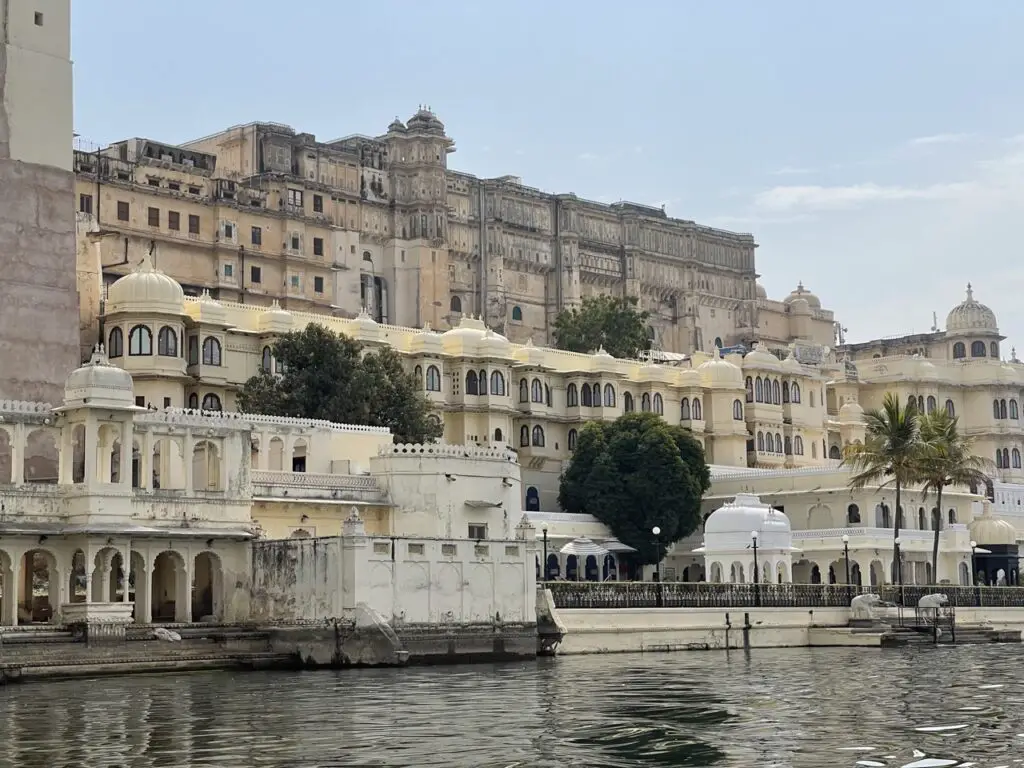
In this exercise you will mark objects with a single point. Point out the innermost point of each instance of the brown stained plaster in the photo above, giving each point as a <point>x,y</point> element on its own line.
<point>5,129</point>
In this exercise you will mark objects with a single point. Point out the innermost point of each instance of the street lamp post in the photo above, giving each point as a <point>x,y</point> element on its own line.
<point>657,565</point>
<point>974,572</point>
<point>544,535</point>
<point>846,556</point>
<point>757,570</point>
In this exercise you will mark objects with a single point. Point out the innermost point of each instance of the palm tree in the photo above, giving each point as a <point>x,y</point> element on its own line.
<point>890,454</point>
<point>947,460</point>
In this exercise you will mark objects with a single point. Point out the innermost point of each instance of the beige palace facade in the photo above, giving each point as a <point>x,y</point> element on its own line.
<point>261,212</point>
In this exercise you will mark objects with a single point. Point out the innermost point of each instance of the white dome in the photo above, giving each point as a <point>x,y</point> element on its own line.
<point>146,289</point>
<point>971,316</point>
<point>759,358</point>
<point>719,372</point>
<point>469,329</point>
<point>427,341</point>
<point>802,293</point>
<point>529,354</point>
<point>98,384</point>
<point>760,291</point>
<point>851,412</point>
<point>989,529</point>
<point>791,364</point>
<point>729,528</point>
<point>211,312</point>
<point>275,320</point>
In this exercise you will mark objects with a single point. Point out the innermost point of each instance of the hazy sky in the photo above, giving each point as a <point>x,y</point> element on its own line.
<point>875,149</point>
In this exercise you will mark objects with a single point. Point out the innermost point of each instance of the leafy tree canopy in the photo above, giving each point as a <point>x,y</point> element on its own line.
<point>326,375</point>
<point>634,474</point>
<point>610,322</point>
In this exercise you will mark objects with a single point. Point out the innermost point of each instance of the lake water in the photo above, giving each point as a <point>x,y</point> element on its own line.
<point>794,707</point>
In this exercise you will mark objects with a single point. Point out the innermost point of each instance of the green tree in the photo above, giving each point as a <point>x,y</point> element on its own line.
<point>327,376</point>
<point>608,322</point>
<point>636,473</point>
<point>891,453</point>
<point>947,459</point>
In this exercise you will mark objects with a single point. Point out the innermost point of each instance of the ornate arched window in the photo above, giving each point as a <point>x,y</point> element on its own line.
<point>853,515</point>
<point>798,445</point>
<point>433,379</point>
<point>931,404</point>
<point>193,401</point>
<point>498,436</point>
<point>536,391</point>
<point>995,409</point>
<point>455,305</point>
<point>760,441</point>
<point>950,408</point>
<point>115,343</point>
<point>750,389</point>
<point>778,443</point>
<point>167,342</point>
<point>1016,458</point>
<point>497,383</point>
<point>659,404</point>
<point>999,459</point>
<point>472,385</point>
<point>417,374</point>
<point>758,390</point>
<point>211,402</point>
<point>993,350</point>
<point>524,391</point>
<point>572,440</point>
<point>482,382</point>
<point>695,409</point>
<point>627,403</point>
<point>645,402</point>
<point>572,396</point>
<point>585,396</point>
<point>211,351</point>
<point>267,360</point>
<point>788,446</point>
<point>737,410</point>
<point>1002,409</point>
<point>140,341</point>
<point>684,409</point>
<point>538,436</point>
<point>776,396</point>
<point>1014,411</point>
<point>794,392</point>
<point>517,314</point>
<point>524,436</point>
<point>785,391</point>
<point>977,349</point>
<point>609,396</point>
<point>1006,458</point>
<point>959,351</point>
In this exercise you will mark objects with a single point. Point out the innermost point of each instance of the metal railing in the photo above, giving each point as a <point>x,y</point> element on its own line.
<point>646,594</point>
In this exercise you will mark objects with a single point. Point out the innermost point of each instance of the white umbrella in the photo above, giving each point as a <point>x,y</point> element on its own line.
<point>582,548</point>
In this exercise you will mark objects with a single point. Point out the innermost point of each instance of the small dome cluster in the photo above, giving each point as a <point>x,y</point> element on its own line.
<point>971,316</point>
<point>729,527</point>
<point>425,121</point>
<point>802,294</point>
<point>992,530</point>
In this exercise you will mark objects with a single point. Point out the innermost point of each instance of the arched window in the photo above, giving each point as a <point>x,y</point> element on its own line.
<point>684,408</point>
<point>794,392</point>
<point>776,397</point>
<point>785,391</point>
<point>572,396</point>
<point>497,383</point>
<point>737,410</point>
<point>524,436</point>
<point>1014,412</point>
<point>659,404</point>
<point>211,402</point>
<point>483,382</point>
<point>760,441</point>
<point>852,514</point>
<point>645,402</point>
<point>193,401</point>
<point>798,445</point>
<point>977,349</point>
<point>536,391</point>
<point>433,379</point>
<point>778,443</point>
<point>538,436</point>
<point>695,409</point>
<point>547,395</point>
<point>758,390</point>
<point>609,396</point>
<point>995,409</point>
<point>1006,458</point>
<point>585,397</point>
<point>267,360</point>
<point>1002,409</point>
<point>472,385</point>
<point>533,505</point>
<point>922,520</point>
<point>952,517</point>
<point>1016,458</point>
<point>627,403</point>
<point>959,351</point>
<point>524,391</point>
<point>572,440</point>
<point>211,351</point>
<point>993,350</point>
<point>498,437</point>
<point>167,342</point>
<point>920,403</point>
<point>812,398</point>
<point>834,452</point>
<point>788,446</point>
<point>517,314</point>
<point>769,442</point>
<point>950,408</point>
<point>115,343</point>
<point>750,390</point>
<point>417,373</point>
<point>140,341</point>
<point>999,459</point>
<point>931,404</point>
<point>455,305</point>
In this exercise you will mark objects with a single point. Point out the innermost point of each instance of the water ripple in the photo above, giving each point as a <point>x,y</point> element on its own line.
<point>793,708</point>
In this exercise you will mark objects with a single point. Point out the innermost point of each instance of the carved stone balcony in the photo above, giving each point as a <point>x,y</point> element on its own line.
<point>271,484</point>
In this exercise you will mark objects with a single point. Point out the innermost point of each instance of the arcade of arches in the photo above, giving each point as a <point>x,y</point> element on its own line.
<point>166,584</point>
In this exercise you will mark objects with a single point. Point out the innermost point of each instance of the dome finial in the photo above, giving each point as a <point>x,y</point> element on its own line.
<point>970,293</point>
<point>799,286</point>
<point>146,264</point>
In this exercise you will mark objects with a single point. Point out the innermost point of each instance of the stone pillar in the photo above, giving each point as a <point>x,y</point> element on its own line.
<point>11,595</point>
<point>189,448</point>
<point>146,462</point>
<point>126,568</point>
<point>18,455</point>
<point>104,585</point>
<point>127,448</point>
<point>144,594</point>
<point>183,591</point>
<point>354,563</point>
